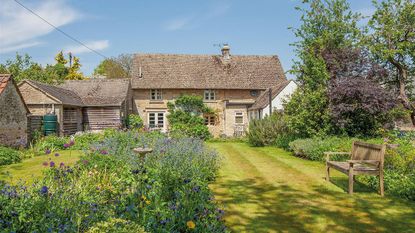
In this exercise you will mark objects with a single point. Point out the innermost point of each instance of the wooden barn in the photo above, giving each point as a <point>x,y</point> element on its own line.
<point>106,102</point>
<point>42,99</point>
<point>13,114</point>
<point>80,105</point>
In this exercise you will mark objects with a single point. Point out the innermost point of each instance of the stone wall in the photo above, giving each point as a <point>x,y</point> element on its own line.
<point>13,120</point>
<point>224,124</point>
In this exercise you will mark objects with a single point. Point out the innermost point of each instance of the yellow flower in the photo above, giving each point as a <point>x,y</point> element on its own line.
<point>191,224</point>
<point>148,202</point>
<point>143,197</point>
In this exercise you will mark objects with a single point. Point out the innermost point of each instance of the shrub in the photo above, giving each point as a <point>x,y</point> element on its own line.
<point>111,189</point>
<point>8,156</point>
<point>134,121</point>
<point>185,117</point>
<point>272,130</point>
<point>399,172</point>
<point>51,142</point>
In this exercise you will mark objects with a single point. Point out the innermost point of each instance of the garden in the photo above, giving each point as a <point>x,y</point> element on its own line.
<point>112,189</point>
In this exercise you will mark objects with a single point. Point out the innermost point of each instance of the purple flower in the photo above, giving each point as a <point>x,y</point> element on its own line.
<point>61,165</point>
<point>52,164</point>
<point>47,151</point>
<point>45,164</point>
<point>103,152</point>
<point>148,186</point>
<point>44,190</point>
<point>186,181</point>
<point>66,145</point>
<point>71,142</point>
<point>85,162</point>
<point>196,189</point>
<point>57,154</point>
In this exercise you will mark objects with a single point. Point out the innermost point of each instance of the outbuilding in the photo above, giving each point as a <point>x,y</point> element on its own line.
<point>13,114</point>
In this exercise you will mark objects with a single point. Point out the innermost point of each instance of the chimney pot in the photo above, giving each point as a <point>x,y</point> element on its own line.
<point>225,52</point>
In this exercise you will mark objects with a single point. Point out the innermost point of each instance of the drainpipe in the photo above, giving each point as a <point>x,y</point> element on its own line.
<point>270,101</point>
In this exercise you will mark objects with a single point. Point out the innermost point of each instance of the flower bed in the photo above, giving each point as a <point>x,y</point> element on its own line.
<point>110,188</point>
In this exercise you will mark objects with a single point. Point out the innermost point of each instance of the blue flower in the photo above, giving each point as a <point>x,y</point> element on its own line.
<point>47,151</point>
<point>52,164</point>
<point>44,190</point>
<point>196,189</point>
<point>57,154</point>
<point>186,181</point>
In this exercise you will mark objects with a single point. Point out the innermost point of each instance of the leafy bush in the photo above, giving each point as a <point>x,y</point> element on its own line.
<point>272,130</point>
<point>8,156</point>
<point>134,121</point>
<point>399,173</point>
<point>185,117</point>
<point>51,142</point>
<point>111,189</point>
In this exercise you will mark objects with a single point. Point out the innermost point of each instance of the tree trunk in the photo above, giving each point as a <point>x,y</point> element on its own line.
<point>403,98</point>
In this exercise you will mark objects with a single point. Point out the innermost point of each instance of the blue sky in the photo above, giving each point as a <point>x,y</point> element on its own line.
<point>257,27</point>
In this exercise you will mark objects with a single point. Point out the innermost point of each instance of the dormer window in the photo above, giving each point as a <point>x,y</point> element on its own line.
<point>155,94</point>
<point>210,95</point>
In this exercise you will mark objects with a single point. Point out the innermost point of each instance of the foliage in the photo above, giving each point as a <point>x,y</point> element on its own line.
<point>272,130</point>
<point>8,156</point>
<point>116,225</point>
<point>392,42</point>
<point>111,188</point>
<point>135,121</point>
<point>399,161</point>
<point>359,105</point>
<point>116,67</point>
<point>185,117</point>
<point>22,67</point>
<point>325,25</point>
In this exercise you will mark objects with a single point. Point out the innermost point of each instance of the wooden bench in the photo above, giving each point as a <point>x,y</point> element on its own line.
<point>365,159</point>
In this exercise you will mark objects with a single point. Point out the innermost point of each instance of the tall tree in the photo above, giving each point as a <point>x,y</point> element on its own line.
<point>116,67</point>
<point>393,41</point>
<point>326,25</point>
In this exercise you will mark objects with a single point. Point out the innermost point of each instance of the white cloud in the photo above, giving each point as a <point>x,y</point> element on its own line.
<point>177,24</point>
<point>192,21</point>
<point>95,45</point>
<point>19,27</point>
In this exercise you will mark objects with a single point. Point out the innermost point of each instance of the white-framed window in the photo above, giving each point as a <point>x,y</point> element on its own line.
<point>210,120</point>
<point>239,118</point>
<point>156,120</point>
<point>156,94</point>
<point>210,95</point>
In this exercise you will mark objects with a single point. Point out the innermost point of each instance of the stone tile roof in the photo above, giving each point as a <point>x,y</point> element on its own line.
<point>174,71</point>
<point>4,80</point>
<point>64,96</point>
<point>99,92</point>
<point>263,100</point>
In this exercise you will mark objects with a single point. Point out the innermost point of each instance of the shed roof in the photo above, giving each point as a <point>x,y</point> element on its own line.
<point>99,92</point>
<point>64,96</point>
<point>263,100</point>
<point>181,71</point>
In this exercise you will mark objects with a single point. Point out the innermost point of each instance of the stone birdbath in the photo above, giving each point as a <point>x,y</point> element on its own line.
<point>142,151</point>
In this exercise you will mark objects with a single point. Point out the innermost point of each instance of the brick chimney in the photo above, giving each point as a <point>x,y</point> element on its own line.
<point>225,52</point>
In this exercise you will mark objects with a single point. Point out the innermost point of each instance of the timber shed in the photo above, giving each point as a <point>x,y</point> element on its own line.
<point>82,104</point>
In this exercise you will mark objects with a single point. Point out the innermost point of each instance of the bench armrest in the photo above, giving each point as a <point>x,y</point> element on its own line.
<point>328,153</point>
<point>373,162</point>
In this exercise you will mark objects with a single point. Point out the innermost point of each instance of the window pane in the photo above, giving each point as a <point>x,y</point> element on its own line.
<point>239,120</point>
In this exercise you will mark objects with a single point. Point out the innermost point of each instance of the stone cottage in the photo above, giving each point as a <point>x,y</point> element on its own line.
<point>13,114</point>
<point>230,84</point>
<point>80,105</point>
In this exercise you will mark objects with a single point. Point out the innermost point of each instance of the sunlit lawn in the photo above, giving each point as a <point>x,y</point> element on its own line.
<point>268,190</point>
<point>32,168</point>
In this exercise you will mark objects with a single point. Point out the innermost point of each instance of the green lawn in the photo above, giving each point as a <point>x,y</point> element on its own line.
<point>32,168</point>
<point>268,190</point>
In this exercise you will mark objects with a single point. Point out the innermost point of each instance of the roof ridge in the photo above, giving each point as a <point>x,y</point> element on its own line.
<point>206,55</point>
